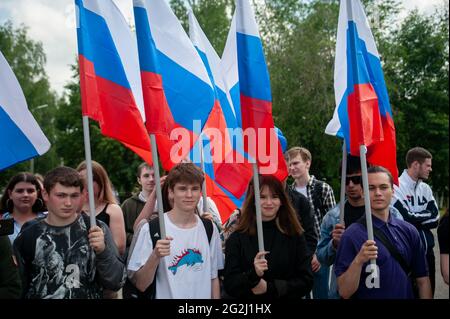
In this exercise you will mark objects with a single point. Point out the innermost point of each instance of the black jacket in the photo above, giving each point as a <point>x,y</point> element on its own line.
<point>305,214</point>
<point>289,275</point>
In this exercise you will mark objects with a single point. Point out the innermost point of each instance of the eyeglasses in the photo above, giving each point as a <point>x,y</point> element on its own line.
<point>355,179</point>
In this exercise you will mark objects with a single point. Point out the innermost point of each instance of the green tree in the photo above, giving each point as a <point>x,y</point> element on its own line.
<point>27,59</point>
<point>300,61</point>
<point>213,16</point>
<point>418,72</point>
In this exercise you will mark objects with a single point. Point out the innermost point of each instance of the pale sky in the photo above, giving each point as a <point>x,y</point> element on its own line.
<point>53,23</point>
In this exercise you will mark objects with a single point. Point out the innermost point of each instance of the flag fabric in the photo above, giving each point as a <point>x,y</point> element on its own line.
<point>177,88</point>
<point>255,95</point>
<point>109,74</point>
<point>234,171</point>
<point>227,189</point>
<point>21,138</point>
<point>363,114</point>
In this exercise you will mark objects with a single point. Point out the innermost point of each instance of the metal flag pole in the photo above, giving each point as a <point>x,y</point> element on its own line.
<point>87,152</point>
<point>258,207</point>
<point>365,180</point>
<point>202,163</point>
<point>162,225</point>
<point>343,176</point>
<point>362,148</point>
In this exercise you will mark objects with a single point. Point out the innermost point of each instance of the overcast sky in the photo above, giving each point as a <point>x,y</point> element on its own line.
<point>53,23</point>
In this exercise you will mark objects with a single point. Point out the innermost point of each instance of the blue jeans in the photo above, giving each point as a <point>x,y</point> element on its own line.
<point>320,286</point>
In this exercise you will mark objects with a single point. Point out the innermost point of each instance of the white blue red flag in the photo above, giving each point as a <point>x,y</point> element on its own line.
<point>227,185</point>
<point>176,85</point>
<point>21,138</point>
<point>244,49</point>
<point>109,74</point>
<point>363,114</point>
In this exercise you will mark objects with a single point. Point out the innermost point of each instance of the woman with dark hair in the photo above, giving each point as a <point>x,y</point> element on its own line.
<point>22,201</point>
<point>283,270</point>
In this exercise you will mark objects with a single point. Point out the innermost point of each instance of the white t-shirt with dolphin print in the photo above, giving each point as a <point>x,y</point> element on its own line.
<point>192,264</point>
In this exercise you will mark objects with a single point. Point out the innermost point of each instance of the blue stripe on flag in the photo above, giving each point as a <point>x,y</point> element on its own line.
<point>369,70</point>
<point>12,134</point>
<point>188,97</point>
<point>254,78</point>
<point>147,47</point>
<point>236,99</point>
<point>94,32</point>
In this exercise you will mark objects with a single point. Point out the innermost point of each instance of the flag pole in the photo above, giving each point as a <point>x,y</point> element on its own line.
<point>90,183</point>
<point>258,207</point>
<point>365,180</point>
<point>343,177</point>
<point>362,148</point>
<point>202,163</point>
<point>159,200</point>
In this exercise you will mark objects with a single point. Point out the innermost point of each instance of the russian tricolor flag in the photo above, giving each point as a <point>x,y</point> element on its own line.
<point>109,74</point>
<point>255,92</point>
<point>363,114</point>
<point>177,88</point>
<point>233,171</point>
<point>229,177</point>
<point>21,138</point>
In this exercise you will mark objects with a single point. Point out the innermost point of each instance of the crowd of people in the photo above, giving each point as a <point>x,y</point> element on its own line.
<point>310,248</point>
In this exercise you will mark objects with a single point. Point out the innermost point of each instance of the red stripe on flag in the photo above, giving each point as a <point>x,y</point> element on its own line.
<point>385,153</point>
<point>258,114</point>
<point>234,174</point>
<point>364,118</point>
<point>368,127</point>
<point>160,121</point>
<point>90,103</point>
<point>114,107</point>
<point>224,204</point>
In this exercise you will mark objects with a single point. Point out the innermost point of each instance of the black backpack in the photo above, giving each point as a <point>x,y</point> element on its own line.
<point>316,195</point>
<point>154,229</point>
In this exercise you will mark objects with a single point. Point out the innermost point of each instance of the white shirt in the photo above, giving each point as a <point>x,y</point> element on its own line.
<point>302,190</point>
<point>192,264</point>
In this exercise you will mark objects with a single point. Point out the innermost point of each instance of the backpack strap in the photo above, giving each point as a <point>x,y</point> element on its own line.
<point>155,235</point>
<point>389,246</point>
<point>316,195</point>
<point>153,227</point>
<point>208,227</point>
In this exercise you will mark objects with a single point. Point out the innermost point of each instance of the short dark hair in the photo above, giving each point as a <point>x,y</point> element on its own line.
<point>141,167</point>
<point>185,173</point>
<point>353,165</point>
<point>418,154</point>
<point>64,175</point>
<point>381,169</point>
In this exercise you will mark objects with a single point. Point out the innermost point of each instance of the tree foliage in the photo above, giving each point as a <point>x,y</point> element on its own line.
<point>418,85</point>
<point>27,59</point>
